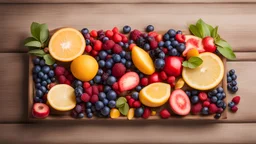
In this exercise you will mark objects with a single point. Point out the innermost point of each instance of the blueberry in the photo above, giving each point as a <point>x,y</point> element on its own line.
<point>36,69</point>
<point>108,64</point>
<point>172,33</point>
<point>217,116</point>
<point>175,43</point>
<point>88,110</point>
<point>138,88</point>
<point>233,83</point>
<point>223,95</point>
<point>161,44</point>
<point>214,92</point>
<point>51,73</point>
<point>81,115</point>
<point>159,63</point>
<point>88,105</point>
<point>107,88</point>
<point>161,55</point>
<point>141,75</point>
<point>105,101</point>
<point>36,61</point>
<point>228,74</point>
<point>84,31</point>
<point>101,63</point>
<point>102,96</point>
<point>158,50</point>
<point>97,79</point>
<point>100,72</point>
<point>103,55</point>
<point>146,47</point>
<point>105,39</point>
<point>166,36</point>
<point>78,100</point>
<point>42,62</point>
<point>167,43</point>
<point>219,96</point>
<point>179,32</point>
<point>135,95</point>
<point>205,111</point>
<point>231,104</point>
<point>128,56</point>
<point>139,112</point>
<point>181,48</point>
<point>126,46</point>
<point>169,48</point>
<point>224,106</point>
<point>150,28</point>
<point>112,104</point>
<point>105,111</point>
<point>87,41</point>
<point>229,86</point>
<point>229,79</point>
<point>130,41</point>
<point>78,92</point>
<point>234,89</point>
<point>126,29</point>
<point>173,52</point>
<point>220,89</point>
<point>45,77</point>
<point>194,92</point>
<point>38,80</point>
<point>234,77</point>
<point>99,105</point>
<point>188,93</point>
<point>214,99</point>
<point>40,74</point>
<point>111,80</point>
<point>122,54</point>
<point>232,71</point>
<point>44,83</point>
<point>43,89</point>
<point>109,51</point>
<point>128,64</point>
<point>38,85</point>
<point>93,108</point>
<point>111,95</point>
<point>48,81</point>
<point>37,99</point>
<point>220,103</point>
<point>194,99</point>
<point>78,83</point>
<point>123,61</point>
<point>46,69</point>
<point>89,115</point>
<point>39,93</point>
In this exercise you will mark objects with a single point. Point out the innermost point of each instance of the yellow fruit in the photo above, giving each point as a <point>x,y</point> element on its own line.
<point>114,113</point>
<point>61,97</point>
<point>155,95</point>
<point>66,44</point>
<point>142,61</point>
<point>130,114</point>
<point>153,113</point>
<point>179,84</point>
<point>208,75</point>
<point>84,67</point>
<point>192,52</point>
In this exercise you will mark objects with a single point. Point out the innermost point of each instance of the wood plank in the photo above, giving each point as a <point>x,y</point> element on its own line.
<point>236,21</point>
<point>128,132</point>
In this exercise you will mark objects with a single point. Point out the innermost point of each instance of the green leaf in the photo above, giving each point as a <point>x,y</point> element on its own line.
<point>185,63</point>
<point>33,44</point>
<point>120,102</point>
<point>226,52</point>
<point>44,33</point>
<point>49,60</point>
<point>214,32</point>
<point>217,38</point>
<point>222,43</point>
<point>194,62</point>
<point>37,52</point>
<point>203,28</point>
<point>29,39</point>
<point>124,110</point>
<point>35,30</point>
<point>209,27</point>
<point>194,30</point>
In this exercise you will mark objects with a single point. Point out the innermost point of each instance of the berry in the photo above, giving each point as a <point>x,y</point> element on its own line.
<point>172,33</point>
<point>144,81</point>
<point>43,83</point>
<point>88,110</point>
<point>180,38</point>
<point>111,80</point>
<point>146,47</point>
<point>138,88</point>
<point>232,71</point>
<point>78,83</point>
<point>217,116</point>
<point>89,115</point>
<point>163,75</point>
<point>171,81</point>
<point>166,36</point>
<point>105,101</point>
<point>107,89</point>
<point>112,104</point>
<point>36,69</point>
<point>94,33</point>
<point>45,77</point>
<point>219,96</point>
<point>231,104</point>
<point>111,95</point>
<point>188,93</point>
<point>86,85</point>
<point>94,99</point>
<point>88,105</point>
<point>165,114</point>
<point>173,52</point>
<point>194,99</point>
<point>234,108</point>
<point>128,97</point>
<point>135,34</point>
<point>85,97</point>
<point>126,29</point>
<point>146,113</point>
<point>214,99</point>
<point>117,38</point>
<point>196,109</point>
<point>109,33</point>
<point>97,79</point>
<point>84,31</point>
<point>123,61</point>
<point>117,49</point>
<point>161,55</point>
<point>43,89</point>
<point>236,99</point>
<point>99,105</point>
<point>97,45</point>
<point>42,62</point>
<point>153,44</point>
<point>39,93</point>
<point>220,89</point>
<point>229,86</point>
<point>181,48</point>
<point>118,70</point>
<point>150,28</point>
<point>205,111</point>
<point>202,96</point>
<point>167,43</point>
<point>139,112</point>
<point>78,91</point>
<point>103,54</point>
<point>220,103</point>
<point>130,102</point>
<point>234,89</point>
<point>115,30</point>
<point>224,106</point>
<point>51,73</point>
<point>102,96</point>
<point>108,45</point>
<point>135,95</point>
<point>95,90</point>
<point>159,63</point>
<point>229,79</point>
<point>233,83</point>
<point>59,71</point>
<point>234,77</point>
<point>78,108</point>
<point>105,111</point>
<point>206,104</point>
<point>36,61</point>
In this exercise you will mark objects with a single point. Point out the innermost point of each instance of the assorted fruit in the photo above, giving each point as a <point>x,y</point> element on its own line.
<point>133,74</point>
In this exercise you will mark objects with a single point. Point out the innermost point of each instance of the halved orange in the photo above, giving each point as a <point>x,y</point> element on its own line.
<point>66,44</point>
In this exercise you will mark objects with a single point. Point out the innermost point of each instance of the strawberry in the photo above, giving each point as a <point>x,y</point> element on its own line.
<point>95,90</point>
<point>117,38</point>
<point>128,81</point>
<point>163,75</point>
<point>165,114</point>
<point>89,91</point>
<point>97,45</point>
<point>180,38</point>
<point>146,113</point>
<point>85,97</point>
<point>109,44</point>
<point>86,85</point>
<point>236,99</point>
<point>88,48</point>
<point>136,104</point>
<point>206,104</point>
<point>234,108</point>
<point>115,86</point>
<point>109,33</point>
<point>144,81</point>
<point>62,79</point>
<point>59,70</point>
<point>130,102</point>
<point>94,33</point>
<point>196,109</point>
<point>213,108</point>
<point>202,96</point>
<point>94,99</point>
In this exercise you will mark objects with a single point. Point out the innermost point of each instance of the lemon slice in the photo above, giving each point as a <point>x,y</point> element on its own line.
<point>208,75</point>
<point>155,95</point>
<point>62,97</point>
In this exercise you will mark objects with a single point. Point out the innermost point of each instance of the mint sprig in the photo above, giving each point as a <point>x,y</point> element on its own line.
<point>192,62</point>
<point>202,30</point>
<point>122,105</point>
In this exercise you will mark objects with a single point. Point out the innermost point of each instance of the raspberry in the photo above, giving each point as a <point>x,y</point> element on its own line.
<point>165,114</point>
<point>94,99</point>
<point>202,96</point>
<point>117,49</point>
<point>108,45</point>
<point>117,38</point>
<point>92,39</point>
<point>94,53</point>
<point>115,30</point>
<point>67,82</point>
<point>171,80</point>
<point>128,97</point>
<point>180,38</point>
<point>118,70</point>
<point>159,37</point>
<point>213,108</point>
<point>165,50</point>
<point>115,86</point>
<point>66,73</point>
<point>234,108</point>
<point>86,85</point>
<point>153,44</point>
<point>109,33</point>
<point>70,77</point>
<point>88,48</point>
<point>136,104</point>
<point>124,39</point>
<point>206,104</point>
<point>196,109</point>
<point>135,34</point>
<point>100,88</point>
<point>59,70</point>
<point>144,81</point>
<point>95,90</point>
<point>85,97</point>
<point>62,79</point>
<point>130,102</point>
<point>89,91</point>
<point>220,110</point>
<point>236,99</point>
<point>147,113</point>
<point>94,33</point>
<point>131,46</point>
<point>163,75</point>
<point>97,45</point>
<point>152,34</point>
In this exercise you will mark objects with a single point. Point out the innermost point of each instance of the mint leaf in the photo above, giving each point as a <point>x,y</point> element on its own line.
<point>120,102</point>
<point>222,43</point>
<point>29,39</point>
<point>203,28</point>
<point>209,27</point>
<point>49,59</point>
<point>214,32</point>
<point>35,30</point>
<point>44,33</point>
<point>124,110</point>
<point>194,62</point>
<point>33,44</point>
<point>194,30</point>
<point>37,52</point>
<point>185,63</point>
<point>226,52</point>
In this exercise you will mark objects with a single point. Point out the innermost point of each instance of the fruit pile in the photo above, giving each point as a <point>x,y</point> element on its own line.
<point>109,74</point>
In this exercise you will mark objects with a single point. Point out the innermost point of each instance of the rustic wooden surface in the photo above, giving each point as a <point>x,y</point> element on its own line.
<point>236,19</point>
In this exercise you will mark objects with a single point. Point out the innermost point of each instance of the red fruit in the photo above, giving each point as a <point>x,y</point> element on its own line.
<point>40,110</point>
<point>59,70</point>
<point>117,49</point>
<point>100,88</point>
<point>130,102</point>
<point>115,30</point>
<point>128,81</point>
<point>94,53</point>
<point>163,75</point>
<point>86,85</point>
<point>92,39</point>
<point>234,108</point>
<point>66,73</point>
<point>171,80</point>
<point>97,45</point>
<point>94,33</point>
<point>108,57</point>
<point>206,104</point>
<point>95,90</point>
<point>144,81</point>
<point>202,96</point>
<point>154,78</point>
<point>88,48</point>
<point>153,44</point>
<point>173,66</point>
<point>85,97</point>
<point>117,38</point>
<point>165,50</point>
<point>135,34</point>
<point>109,33</point>
<point>89,91</point>
<point>45,97</point>
<point>62,79</point>
<point>124,39</point>
<point>213,108</point>
<point>115,86</point>
<point>70,77</point>
<point>109,44</point>
<point>180,38</point>
<point>128,97</point>
<point>193,42</point>
<point>118,70</point>
<point>196,109</point>
<point>208,44</point>
<point>159,37</point>
<point>94,99</point>
<point>220,110</point>
<point>67,82</point>
<point>152,34</point>
<point>131,46</point>
<point>165,114</point>
<point>49,86</point>
<point>236,99</point>
<point>147,113</point>
<point>179,102</point>
<point>136,104</point>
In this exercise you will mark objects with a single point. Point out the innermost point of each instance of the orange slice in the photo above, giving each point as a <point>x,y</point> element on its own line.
<point>192,52</point>
<point>66,44</point>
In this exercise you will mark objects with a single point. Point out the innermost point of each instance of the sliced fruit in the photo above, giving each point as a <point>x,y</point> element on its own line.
<point>40,110</point>
<point>130,114</point>
<point>208,75</point>
<point>208,44</point>
<point>155,95</point>
<point>173,65</point>
<point>84,67</point>
<point>142,61</point>
<point>179,102</point>
<point>179,84</point>
<point>128,81</point>
<point>193,52</point>
<point>66,44</point>
<point>193,42</point>
<point>62,97</point>
<point>114,113</point>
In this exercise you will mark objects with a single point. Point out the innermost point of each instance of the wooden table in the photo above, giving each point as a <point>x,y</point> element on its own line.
<point>237,24</point>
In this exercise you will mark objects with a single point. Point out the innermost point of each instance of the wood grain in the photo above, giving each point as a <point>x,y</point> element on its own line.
<point>231,18</point>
